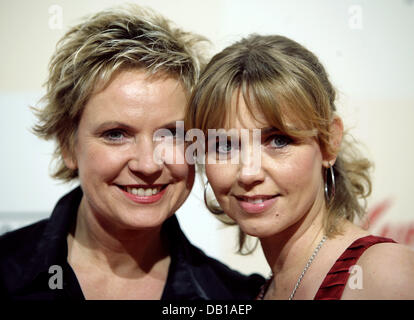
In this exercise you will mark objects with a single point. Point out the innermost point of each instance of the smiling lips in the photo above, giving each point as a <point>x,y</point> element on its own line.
<point>143,193</point>
<point>256,204</point>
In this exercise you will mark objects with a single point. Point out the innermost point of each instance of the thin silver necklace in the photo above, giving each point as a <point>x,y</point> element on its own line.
<point>315,252</point>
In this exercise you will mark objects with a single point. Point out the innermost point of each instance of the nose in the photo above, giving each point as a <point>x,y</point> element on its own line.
<point>142,158</point>
<point>248,178</point>
<point>250,171</point>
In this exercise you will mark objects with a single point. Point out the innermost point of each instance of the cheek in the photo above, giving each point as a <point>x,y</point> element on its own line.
<point>169,152</point>
<point>99,161</point>
<point>183,173</point>
<point>302,172</point>
<point>221,178</point>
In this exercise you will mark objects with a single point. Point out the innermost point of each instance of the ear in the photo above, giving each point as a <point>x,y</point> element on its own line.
<point>336,129</point>
<point>69,158</point>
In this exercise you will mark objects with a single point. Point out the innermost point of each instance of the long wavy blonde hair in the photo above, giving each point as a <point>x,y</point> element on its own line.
<point>278,76</point>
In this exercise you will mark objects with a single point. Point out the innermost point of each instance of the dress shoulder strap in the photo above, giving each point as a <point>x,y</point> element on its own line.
<point>334,283</point>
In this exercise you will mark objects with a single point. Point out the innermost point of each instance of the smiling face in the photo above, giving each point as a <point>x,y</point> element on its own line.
<point>123,186</point>
<point>284,189</point>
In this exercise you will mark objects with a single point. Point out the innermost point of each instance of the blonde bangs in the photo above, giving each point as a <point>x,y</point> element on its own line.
<point>280,107</point>
<point>282,102</point>
<point>214,100</point>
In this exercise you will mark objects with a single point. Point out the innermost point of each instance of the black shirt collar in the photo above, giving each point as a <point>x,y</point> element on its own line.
<point>52,249</point>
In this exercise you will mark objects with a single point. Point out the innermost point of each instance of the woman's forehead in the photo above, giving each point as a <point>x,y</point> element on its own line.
<point>243,119</point>
<point>242,114</point>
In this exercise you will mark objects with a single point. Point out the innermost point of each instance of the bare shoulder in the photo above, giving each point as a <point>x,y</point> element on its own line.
<point>384,271</point>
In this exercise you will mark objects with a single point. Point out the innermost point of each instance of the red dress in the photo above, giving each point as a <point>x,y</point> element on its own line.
<point>334,283</point>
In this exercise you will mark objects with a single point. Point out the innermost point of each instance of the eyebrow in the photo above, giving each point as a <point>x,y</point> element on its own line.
<point>263,132</point>
<point>110,124</point>
<point>269,130</point>
<point>172,124</point>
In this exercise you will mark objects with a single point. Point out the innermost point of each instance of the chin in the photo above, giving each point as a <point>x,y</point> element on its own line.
<point>144,220</point>
<point>260,229</point>
<point>256,230</point>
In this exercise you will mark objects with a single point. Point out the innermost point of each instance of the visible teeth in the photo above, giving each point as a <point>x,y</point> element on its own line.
<point>255,200</point>
<point>143,192</point>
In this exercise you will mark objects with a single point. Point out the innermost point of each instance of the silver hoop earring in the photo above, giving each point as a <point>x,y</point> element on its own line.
<point>212,209</point>
<point>205,193</point>
<point>329,195</point>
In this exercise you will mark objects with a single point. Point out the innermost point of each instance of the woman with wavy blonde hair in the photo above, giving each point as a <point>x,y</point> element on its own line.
<point>296,184</point>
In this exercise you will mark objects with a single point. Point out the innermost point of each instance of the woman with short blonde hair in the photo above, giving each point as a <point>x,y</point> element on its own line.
<point>115,80</point>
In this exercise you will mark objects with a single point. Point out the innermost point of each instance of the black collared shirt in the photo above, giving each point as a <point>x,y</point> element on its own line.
<point>28,254</point>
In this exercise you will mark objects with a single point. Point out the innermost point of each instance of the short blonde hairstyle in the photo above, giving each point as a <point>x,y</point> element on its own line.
<point>279,77</point>
<point>92,51</point>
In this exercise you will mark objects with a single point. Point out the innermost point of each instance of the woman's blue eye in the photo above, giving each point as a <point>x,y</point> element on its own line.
<point>279,141</point>
<point>223,146</point>
<point>114,135</point>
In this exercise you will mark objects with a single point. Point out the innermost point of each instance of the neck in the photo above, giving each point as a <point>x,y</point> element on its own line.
<point>115,249</point>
